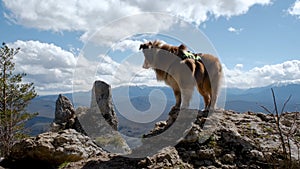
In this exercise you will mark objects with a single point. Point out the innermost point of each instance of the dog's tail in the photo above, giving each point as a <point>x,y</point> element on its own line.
<point>215,74</point>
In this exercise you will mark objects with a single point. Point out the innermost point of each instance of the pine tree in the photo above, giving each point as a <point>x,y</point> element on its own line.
<point>14,98</point>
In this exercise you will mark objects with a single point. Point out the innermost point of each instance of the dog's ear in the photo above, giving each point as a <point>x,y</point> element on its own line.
<point>145,45</point>
<point>141,46</point>
<point>182,47</point>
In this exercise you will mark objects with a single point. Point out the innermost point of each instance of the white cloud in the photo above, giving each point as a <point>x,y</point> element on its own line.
<point>131,74</point>
<point>49,55</point>
<point>238,66</point>
<point>128,26</point>
<point>67,14</point>
<point>89,16</point>
<point>198,11</point>
<point>286,72</point>
<point>48,66</point>
<point>132,45</point>
<point>295,9</point>
<point>52,70</point>
<point>128,72</point>
<point>235,30</point>
<point>84,15</point>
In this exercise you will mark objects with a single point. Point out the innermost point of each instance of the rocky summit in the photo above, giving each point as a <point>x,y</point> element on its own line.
<point>187,139</point>
<point>223,139</point>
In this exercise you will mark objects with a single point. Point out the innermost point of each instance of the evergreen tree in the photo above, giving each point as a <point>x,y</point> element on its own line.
<point>14,98</point>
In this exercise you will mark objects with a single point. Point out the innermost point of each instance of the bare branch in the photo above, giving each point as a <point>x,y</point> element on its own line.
<point>266,109</point>
<point>278,126</point>
<point>275,104</point>
<point>285,103</point>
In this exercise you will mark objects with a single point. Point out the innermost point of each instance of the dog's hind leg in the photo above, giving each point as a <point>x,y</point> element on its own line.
<point>205,91</point>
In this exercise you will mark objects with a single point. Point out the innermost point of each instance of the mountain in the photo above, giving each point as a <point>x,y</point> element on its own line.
<point>38,125</point>
<point>140,98</point>
<point>252,99</point>
<point>239,100</point>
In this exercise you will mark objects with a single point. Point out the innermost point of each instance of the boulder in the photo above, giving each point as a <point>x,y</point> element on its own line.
<point>100,120</point>
<point>101,98</point>
<point>166,158</point>
<point>56,148</point>
<point>65,117</point>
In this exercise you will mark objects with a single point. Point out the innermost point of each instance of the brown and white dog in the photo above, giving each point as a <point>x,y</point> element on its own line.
<point>183,75</point>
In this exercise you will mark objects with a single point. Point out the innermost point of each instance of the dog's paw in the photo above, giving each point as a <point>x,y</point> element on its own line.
<point>175,108</point>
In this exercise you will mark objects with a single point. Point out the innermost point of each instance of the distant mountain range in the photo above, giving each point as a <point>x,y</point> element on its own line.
<point>252,99</point>
<point>238,100</point>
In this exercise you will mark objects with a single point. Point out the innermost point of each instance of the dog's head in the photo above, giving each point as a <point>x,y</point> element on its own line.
<point>148,53</point>
<point>147,45</point>
<point>155,49</point>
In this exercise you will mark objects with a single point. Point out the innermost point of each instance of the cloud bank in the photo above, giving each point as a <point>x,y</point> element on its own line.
<point>47,65</point>
<point>85,15</point>
<point>52,70</point>
<point>89,16</point>
<point>286,72</point>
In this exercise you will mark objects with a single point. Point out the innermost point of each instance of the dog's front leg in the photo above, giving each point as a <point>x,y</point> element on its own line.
<point>177,95</point>
<point>186,97</point>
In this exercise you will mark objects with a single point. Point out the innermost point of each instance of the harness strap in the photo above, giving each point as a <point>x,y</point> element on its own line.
<point>190,55</point>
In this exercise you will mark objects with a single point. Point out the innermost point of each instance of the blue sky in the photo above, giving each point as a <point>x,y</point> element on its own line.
<point>265,35</point>
<point>256,40</point>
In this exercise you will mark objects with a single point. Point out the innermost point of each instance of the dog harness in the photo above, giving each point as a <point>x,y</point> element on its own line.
<point>189,55</point>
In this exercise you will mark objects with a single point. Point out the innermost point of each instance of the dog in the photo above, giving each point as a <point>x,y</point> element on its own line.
<point>183,74</point>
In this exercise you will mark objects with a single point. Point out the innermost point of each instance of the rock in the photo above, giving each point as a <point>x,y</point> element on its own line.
<point>223,139</point>
<point>184,121</point>
<point>216,139</point>
<point>102,94</point>
<point>56,148</point>
<point>233,140</point>
<point>257,154</point>
<point>206,154</point>
<point>166,158</point>
<point>266,117</point>
<point>65,117</point>
<point>75,135</point>
<point>100,121</point>
<point>64,110</point>
<point>228,158</point>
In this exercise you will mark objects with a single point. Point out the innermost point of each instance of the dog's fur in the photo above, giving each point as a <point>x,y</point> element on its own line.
<point>184,75</point>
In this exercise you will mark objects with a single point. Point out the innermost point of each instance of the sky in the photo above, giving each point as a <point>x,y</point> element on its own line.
<point>67,45</point>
